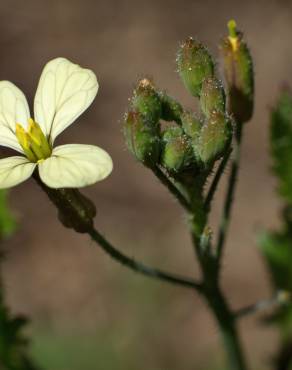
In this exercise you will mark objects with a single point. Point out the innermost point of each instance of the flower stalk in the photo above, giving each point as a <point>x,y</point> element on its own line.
<point>181,152</point>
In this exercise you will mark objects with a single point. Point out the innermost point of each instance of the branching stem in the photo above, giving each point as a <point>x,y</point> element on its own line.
<point>216,180</point>
<point>225,219</point>
<point>140,267</point>
<point>163,178</point>
<point>278,299</point>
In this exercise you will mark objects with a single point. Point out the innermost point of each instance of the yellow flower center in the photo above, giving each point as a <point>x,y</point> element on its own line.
<point>33,141</point>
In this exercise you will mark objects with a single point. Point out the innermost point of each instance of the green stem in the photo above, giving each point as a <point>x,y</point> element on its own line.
<point>171,187</point>
<point>70,202</point>
<point>215,298</point>
<point>216,179</point>
<point>139,267</point>
<point>227,326</point>
<point>225,219</point>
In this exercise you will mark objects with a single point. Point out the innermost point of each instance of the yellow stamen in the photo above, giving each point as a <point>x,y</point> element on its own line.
<point>33,141</point>
<point>34,131</point>
<point>24,140</point>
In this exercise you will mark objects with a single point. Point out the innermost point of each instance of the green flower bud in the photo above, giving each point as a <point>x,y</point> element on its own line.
<point>146,101</point>
<point>142,138</point>
<point>177,153</point>
<point>194,65</point>
<point>238,69</point>
<point>171,109</point>
<point>215,138</point>
<point>212,96</point>
<point>191,124</point>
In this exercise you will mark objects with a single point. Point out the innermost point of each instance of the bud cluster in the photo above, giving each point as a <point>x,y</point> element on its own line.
<point>191,141</point>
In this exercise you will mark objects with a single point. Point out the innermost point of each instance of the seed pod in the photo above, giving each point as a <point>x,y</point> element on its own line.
<point>194,65</point>
<point>215,138</point>
<point>146,101</point>
<point>142,138</point>
<point>177,153</point>
<point>239,75</point>
<point>212,97</point>
<point>75,210</point>
<point>191,124</point>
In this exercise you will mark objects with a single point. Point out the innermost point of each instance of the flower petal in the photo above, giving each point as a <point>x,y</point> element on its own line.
<point>65,91</point>
<point>75,166</point>
<point>13,109</point>
<point>14,170</point>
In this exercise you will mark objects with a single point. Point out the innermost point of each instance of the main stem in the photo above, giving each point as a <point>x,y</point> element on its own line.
<point>227,325</point>
<point>211,291</point>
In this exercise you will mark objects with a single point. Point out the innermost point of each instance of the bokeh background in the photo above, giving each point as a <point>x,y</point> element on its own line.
<point>87,311</point>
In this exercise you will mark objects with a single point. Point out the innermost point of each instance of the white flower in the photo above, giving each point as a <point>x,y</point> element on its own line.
<point>65,90</point>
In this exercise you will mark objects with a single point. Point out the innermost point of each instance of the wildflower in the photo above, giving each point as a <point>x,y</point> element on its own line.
<point>64,92</point>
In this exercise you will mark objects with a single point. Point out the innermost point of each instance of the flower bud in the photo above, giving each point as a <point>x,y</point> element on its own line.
<point>177,152</point>
<point>194,65</point>
<point>171,109</point>
<point>142,138</point>
<point>215,137</point>
<point>238,69</point>
<point>146,101</point>
<point>212,96</point>
<point>191,124</point>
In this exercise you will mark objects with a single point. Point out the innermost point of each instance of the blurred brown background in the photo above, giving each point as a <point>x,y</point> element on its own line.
<point>87,311</point>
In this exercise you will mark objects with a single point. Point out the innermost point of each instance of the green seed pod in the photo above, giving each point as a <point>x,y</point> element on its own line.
<point>75,210</point>
<point>146,101</point>
<point>177,153</point>
<point>142,138</point>
<point>239,75</point>
<point>171,109</point>
<point>212,97</point>
<point>194,65</point>
<point>191,124</point>
<point>215,138</point>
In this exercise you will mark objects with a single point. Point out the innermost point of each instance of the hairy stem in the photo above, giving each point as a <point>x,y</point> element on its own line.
<point>228,329</point>
<point>163,178</point>
<point>277,300</point>
<point>216,180</point>
<point>81,220</point>
<point>225,219</point>
<point>216,301</point>
<point>140,267</point>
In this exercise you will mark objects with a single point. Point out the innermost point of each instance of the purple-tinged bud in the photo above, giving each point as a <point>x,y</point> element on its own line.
<point>177,154</point>
<point>142,138</point>
<point>194,65</point>
<point>212,96</point>
<point>215,138</point>
<point>146,101</point>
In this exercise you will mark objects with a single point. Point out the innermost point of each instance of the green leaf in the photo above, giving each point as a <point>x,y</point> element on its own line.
<point>281,145</point>
<point>13,344</point>
<point>277,250</point>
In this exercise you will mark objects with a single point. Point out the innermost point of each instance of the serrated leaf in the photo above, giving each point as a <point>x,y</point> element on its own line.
<point>277,250</point>
<point>281,144</point>
<point>13,344</point>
